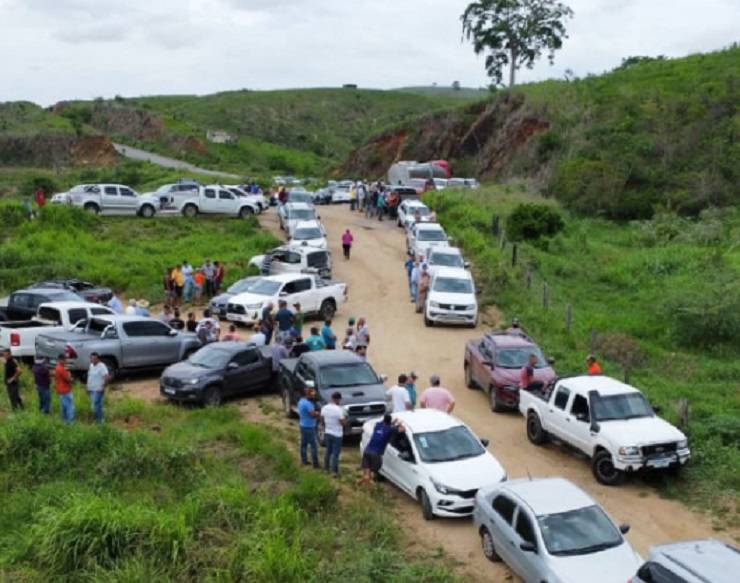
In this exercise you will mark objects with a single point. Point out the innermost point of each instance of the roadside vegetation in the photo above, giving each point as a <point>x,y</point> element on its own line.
<point>163,493</point>
<point>656,300</point>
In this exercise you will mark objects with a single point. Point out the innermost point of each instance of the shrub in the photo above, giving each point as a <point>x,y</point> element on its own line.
<point>48,184</point>
<point>530,222</point>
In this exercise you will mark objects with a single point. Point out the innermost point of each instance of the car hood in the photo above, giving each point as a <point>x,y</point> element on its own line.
<point>222,298</point>
<point>248,299</point>
<point>186,371</point>
<point>354,395</point>
<point>451,298</point>
<point>641,431</point>
<point>427,244</point>
<point>468,474</point>
<point>615,565</point>
<point>318,243</point>
<point>257,260</point>
<point>510,376</point>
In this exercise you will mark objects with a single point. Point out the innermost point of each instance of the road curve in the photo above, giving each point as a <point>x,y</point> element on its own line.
<point>165,162</point>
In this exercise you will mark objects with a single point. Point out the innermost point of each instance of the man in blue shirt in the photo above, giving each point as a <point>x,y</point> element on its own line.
<point>284,318</point>
<point>330,339</point>
<point>315,342</point>
<point>372,457</point>
<point>307,418</point>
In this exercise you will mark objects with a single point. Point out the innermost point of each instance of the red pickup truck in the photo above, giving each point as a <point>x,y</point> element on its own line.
<point>494,363</point>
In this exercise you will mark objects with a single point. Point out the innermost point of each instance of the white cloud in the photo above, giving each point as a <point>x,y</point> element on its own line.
<point>60,49</point>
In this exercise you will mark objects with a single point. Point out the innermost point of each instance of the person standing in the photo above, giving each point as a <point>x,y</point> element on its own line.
<point>192,324</point>
<point>63,388</point>
<point>178,284</point>
<point>380,205</point>
<point>424,282</point>
<point>268,322</point>
<point>12,374</point>
<point>372,457</point>
<point>131,308</point>
<point>232,335</point>
<point>398,396</point>
<point>411,388</point>
<point>218,276</point>
<point>40,197</point>
<point>298,318</point>
<point>594,368</point>
<point>258,338</point>
<point>188,272</point>
<point>362,338</point>
<point>280,350</point>
<point>526,375</point>
<point>98,378</point>
<point>199,280</point>
<point>115,304</point>
<point>361,352</point>
<point>327,334</point>
<point>284,319</point>
<point>347,240</point>
<point>307,415</point>
<point>315,341</point>
<point>414,278</point>
<point>166,316</point>
<point>437,397</point>
<point>42,379</point>
<point>176,321</point>
<point>209,271</point>
<point>205,333</point>
<point>334,418</point>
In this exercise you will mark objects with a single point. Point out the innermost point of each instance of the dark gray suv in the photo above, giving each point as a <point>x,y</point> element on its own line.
<point>698,561</point>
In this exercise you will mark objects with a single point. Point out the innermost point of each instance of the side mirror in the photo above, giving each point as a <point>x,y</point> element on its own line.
<point>232,366</point>
<point>466,264</point>
<point>383,378</point>
<point>624,528</point>
<point>172,332</point>
<point>485,442</point>
<point>595,427</point>
<point>550,360</point>
<point>310,384</point>
<point>657,409</point>
<point>283,294</point>
<point>528,547</point>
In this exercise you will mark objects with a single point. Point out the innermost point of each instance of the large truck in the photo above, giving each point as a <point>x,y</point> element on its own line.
<point>402,172</point>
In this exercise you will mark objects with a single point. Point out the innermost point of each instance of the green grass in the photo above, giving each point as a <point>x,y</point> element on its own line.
<point>188,495</point>
<point>639,280</point>
<point>23,119</point>
<point>120,252</point>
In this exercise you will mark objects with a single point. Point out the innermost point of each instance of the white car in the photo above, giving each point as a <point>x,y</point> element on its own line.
<point>259,201</point>
<point>440,183</point>
<point>341,194</point>
<point>110,199</point>
<point>445,257</point>
<point>438,461</point>
<point>294,213</point>
<point>60,198</point>
<point>309,233</point>
<point>294,259</point>
<point>411,210</point>
<point>551,530</point>
<point>451,298</point>
<point>422,237</point>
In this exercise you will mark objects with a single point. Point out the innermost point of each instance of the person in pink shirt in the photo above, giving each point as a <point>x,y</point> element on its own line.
<point>436,397</point>
<point>347,240</point>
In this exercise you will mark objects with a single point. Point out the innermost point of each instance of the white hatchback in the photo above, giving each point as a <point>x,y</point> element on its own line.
<point>309,233</point>
<point>438,461</point>
<point>451,298</point>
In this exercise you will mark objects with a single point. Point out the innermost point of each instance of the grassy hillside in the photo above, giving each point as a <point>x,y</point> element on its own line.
<point>23,119</point>
<point>662,292</point>
<point>461,93</point>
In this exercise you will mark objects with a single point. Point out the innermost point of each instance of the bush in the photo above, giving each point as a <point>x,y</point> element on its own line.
<point>530,222</point>
<point>49,186</point>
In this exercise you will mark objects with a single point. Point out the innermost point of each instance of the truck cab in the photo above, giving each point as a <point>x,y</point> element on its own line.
<point>294,259</point>
<point>109,199</point>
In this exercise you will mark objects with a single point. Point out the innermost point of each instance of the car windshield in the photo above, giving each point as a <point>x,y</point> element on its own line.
<point>211,357</point>
<point>348,375</point>
<point>264,287</point>
<point>453,285</point>
<point>301,214</point>
<point>240,286</point>
<point>519,357</point>
<point>64,296</point>
<point>300,197</point>
<point>578,532</point>
<point>446,260</point>
<point>164,189</point>
<point>96,326</point>
<point>307,233</point>
<point>452,444</point>
<point>432,235</point>
<point>422,211</point>
<point>625,406</point>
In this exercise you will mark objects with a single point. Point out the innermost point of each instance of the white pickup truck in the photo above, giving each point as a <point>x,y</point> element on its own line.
<point>109,199</point>
<point>609,421</point>
<point>206,200</point>
<point>317,296</point>
<point>20,337</point>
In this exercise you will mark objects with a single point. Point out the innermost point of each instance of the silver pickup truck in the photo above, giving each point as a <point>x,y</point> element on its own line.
<point>123,343</point>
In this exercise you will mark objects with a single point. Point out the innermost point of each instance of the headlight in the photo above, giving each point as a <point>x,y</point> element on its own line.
<point>683,444</point>
<point>434,304</point>
<point>634,450</point>
<point>254,306</point>
<point>192,381</point>
<point>442,489</point>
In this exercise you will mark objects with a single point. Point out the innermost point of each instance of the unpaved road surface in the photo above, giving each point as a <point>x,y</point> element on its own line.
<point>165,162</point>
<point>400,343</point>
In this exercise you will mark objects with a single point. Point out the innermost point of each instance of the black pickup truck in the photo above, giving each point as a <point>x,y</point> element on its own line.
<point>24,303</point>
<point>327,371</point>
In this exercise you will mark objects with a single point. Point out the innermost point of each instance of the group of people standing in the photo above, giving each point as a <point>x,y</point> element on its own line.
<point>376,201</point>
<point>184,284</point>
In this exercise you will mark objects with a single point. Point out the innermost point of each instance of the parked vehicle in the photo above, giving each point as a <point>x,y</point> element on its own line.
<point>296,259</point>
<point>494,362</point>
<point>217,371</point>
<point>311,233</point>
<point>440,183</point>
<point>341,193</point>
<point>438,461</point>
<point>328,371</point>
<point>259,200</point>
<point>471,183</point>
<point>421,185</point>
<point>316,296</point>
<point>20,337</point>
<point>207,200</point>
<point>88,291</point>
<point>451,298</point>
<point>402,172</point>
<point>551,530</point>
<point>219,303</point>
<point>440,257</point>
<point>109,199</point>
<point>298,195</point>
<point>123,343</point>
<point>609,421</point>
<point>23,304</point>
<point>322,196</point>
<point>422,237</point>
<point>695,561</point>
<point>409,209</point>
<point>167,197</point>
<point>293,213</point>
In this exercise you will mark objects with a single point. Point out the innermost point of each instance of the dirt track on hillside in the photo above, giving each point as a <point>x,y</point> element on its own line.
<point>400,343</point>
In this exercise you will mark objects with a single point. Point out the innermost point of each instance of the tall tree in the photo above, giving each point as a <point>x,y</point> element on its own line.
<point>514,32</point>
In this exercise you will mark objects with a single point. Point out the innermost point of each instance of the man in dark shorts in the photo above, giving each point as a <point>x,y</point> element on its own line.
<point>372,457</point>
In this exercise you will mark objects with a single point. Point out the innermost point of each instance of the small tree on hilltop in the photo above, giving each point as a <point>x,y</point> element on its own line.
<point>514,32</point>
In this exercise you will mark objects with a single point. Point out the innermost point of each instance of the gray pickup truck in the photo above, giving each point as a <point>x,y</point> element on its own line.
<point>123,343</point>
<point>327,371</point>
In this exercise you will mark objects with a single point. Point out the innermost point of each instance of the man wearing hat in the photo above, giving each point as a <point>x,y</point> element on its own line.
<point>142,308</point>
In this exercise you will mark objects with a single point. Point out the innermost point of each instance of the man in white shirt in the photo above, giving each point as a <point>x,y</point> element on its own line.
<point>131,308</point>
<point>258,338</point>
<point>398,396</point>
<point>362,337</point>
<point>98,378</point>
<point>334,418</point>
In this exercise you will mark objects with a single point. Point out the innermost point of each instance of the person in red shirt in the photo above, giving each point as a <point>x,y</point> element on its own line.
<point>40,197</point>
<point>593,365</point>
<point>526,375</point>
<point>63,388</point>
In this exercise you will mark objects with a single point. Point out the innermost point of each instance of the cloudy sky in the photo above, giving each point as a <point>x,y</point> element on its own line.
<point>61,49</point>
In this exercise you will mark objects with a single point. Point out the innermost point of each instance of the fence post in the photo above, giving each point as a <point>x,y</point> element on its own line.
<point>513,255</point>
<point>502,240</point>
<point>529,278</point>
<point>545,296</point>
<point>495,225</point>
<point>568,317</point>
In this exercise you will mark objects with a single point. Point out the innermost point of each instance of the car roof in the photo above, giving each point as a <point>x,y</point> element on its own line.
<point>445,251</point>
<point>285,277</point>
<point>414,202</point>
<point>124,318</point>
<point>300,248</point>
<point>548,495</point>
<point>429,226</point>
<point>504,339</point>
<point>604,385</point>
<point>68,304</point>
<point>299,206</point>
<point>457,272</point>
<point>45,290</point>
<point>710,560</point>
<point>329,357</point>
<point>424,420</point>
<point>307,224</point>
<point>230,347</point>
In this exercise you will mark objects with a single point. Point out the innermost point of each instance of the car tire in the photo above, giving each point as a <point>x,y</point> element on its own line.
<point>190,211</point>
<point>213,397</point>
<point>535,433</point>
<point>147,211</point>
<point>245,212</point>
<point>92,208</point>
<point>287,408</point>
<point>469,382</point>
<point>327,310</point>
<point>496,405</point>
<point>426,505</point>
<point>487,545</point>
<point>602,466</point>
<point>111,365</point>
<point>427,322</point>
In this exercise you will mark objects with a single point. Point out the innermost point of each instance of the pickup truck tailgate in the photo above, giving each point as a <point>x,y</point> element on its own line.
<point>49,347</point>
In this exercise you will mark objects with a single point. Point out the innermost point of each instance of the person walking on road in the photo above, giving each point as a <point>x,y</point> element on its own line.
<point>421,294</point>
<point>42,379</point>
<point>380,205</point>
<point>334,418</point>
<point>308,416</point>
<point>398,396</point>
<point>411,388</point>
<point>315,341</point>
<point>372,457</point>
<point>362,337</point>
<point>437,397</point>
<point>347,240</point>
<point>63,388</point>
<point>327,334</point>
<point>414,278</point>
<point>12,374</point>
<point>298,318</point>
<point>268,322</point>
<point>98,378</point>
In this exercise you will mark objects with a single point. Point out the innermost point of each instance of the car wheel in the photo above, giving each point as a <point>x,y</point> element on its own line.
<point>111,365</point>
<point>469,382</point>
<point>190,211</point>
<point>213,397</point>
<point>496,405</point>
<point>486,543</point>
<point>535,433</point>
<point>287,409</point>
<point>426,505</point>
<point>327,310</point>
<point>147,211</point>
<point>245,212</point>
<point>92,208</point>
<point>427,322</point>
<point>604,471</point>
